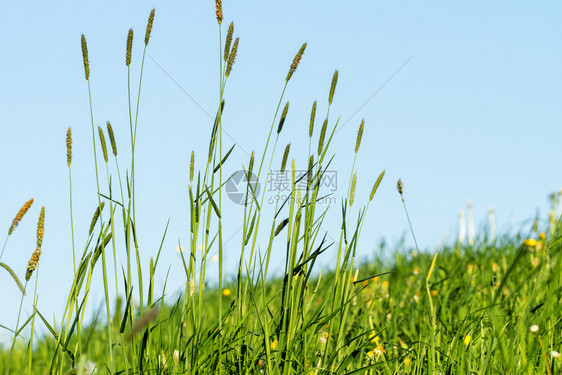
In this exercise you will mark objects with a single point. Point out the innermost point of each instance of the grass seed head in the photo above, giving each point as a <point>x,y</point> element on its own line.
<point>191,166</point>
<point>312,117</point>
<point>142,322</point>
<point>69,147</point>
<point>251,167</point>
<point>359,136</point>
<point>376,186</point>
<point>285,156</point>
<point>280,227</point>
<point>129,48</point>
<point>23,210</point>
<point>322,136</point>
<point>85,57</point>
<point>32,264</point>
<point>400,187</point>
<point>103,145</point>
<point>112,138</point>
<point>149,27</point>
<point>228,41</point>
<point>296,61</point>
<point>309,172</point>
<point>95,217</point>
<point>352,194</point>
<point>218,6</point>
<point>232,57</point>
<point>283,117</point>
<point>333,87</point>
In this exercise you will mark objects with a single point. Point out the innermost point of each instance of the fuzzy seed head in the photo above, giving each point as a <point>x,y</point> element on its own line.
<point>283,117</point>
<point>95,217</point>
<point>129,51</point>
<point>149,27</point>
<point>280,227</point>
<point>228,41</point>
<point>191,166</point>
<point>218,6</point>
<point>296,61</point>
<point>312,117</point>
<point>400,187</point>
<point>333,87</point>
<point>285,156</point>
<point>112,138</point>
<point>143,321</point>
<point>23,210</point>
<point>322,136</point>
<point>232,57</point>
<point>359,136</point>
<point>309,177</point>
<point>85,57</point>
<point>32,264</point>
<point>376,186</point>
<point>69,146</point>
<point>103,145</point>
<point>293,171</point>
<point>352,194</point>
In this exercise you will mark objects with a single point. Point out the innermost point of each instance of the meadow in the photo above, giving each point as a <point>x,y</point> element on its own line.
<point>488,306</point>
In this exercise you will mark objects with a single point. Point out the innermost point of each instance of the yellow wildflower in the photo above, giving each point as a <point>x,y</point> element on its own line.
<point>466,340</point>
<point>530,242</point>
<point>374,338</point>
<point>226,292</point>
<point>273,345</point>
<point>434,293</point>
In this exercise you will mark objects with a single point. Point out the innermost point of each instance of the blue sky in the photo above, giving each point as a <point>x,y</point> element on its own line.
<point>474,114</point>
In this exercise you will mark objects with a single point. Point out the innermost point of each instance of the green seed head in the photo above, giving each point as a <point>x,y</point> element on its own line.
<point>359,136</point>
<point>283,117</point>
<point>352,193</point>
<point>69,146</point>
<point>400,188</point>
<point>112,139</point>
<point>250,167</point>
<point>285,156</point>
<point>376,186</point>
<point>95,217</point>
<point>103,145</point>
<point>228,41</point>
<point>129,48</point>
<point>85,57</point>
<point>309,176</point>
<point>312,117</point>
<point>333,87</point>
<point>296,62</point>
<point>149,27</point>
<point>232,57</point>
<point>191,166</point>
<point>322,136</point>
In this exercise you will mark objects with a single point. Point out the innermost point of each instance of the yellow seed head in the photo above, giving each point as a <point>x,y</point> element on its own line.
<point>23,210</point>
<point>191,166</point>
<point>69,146</point>
<point>129,51</point>
<point>296,62</point>
<point>112,138</point>
<point>85,57</point>
<point>312,117</point>
<point>232,57</point>
<point>322,136</point>
<point>32,264</point>
<point>228,41</point>
<point>400,187</point>
<point>285,156</point>
<point>149,27</point>
<point>218,5</point>
<point>359,136</point>
<point>333,87</point>
<point>95,217</point>
<point>283,117</point>
<point>376,186</point>
<point>103,145</point>
<point>352,194</point>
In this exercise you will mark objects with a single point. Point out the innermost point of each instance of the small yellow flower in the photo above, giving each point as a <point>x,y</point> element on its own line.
<point>374,338</point>
<point>434,293</point>
<point>273,345</point>
<point>226,292</point>
<point>379,350</point>
<point>385,284</point>
<point>495,267</point>
<point>542,236</point>
<point>466,340</point>
<point>530,242</point>
<point>469,268</point>
<point>324,338</point>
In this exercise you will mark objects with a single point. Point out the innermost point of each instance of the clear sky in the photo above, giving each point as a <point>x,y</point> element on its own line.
<point>469,109</point>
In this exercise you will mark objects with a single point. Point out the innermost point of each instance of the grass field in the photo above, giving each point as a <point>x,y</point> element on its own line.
<point>492,306</point>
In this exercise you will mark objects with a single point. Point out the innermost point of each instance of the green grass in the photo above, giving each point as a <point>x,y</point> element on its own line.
<point>463,309</point>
